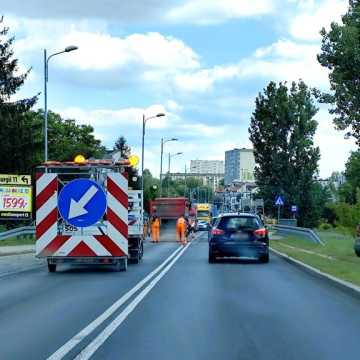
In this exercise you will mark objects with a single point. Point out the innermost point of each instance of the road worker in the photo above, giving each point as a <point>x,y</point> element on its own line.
<point>146,228</point>
<point>181,230</point>
<point>155,229</point>
<point>190,233</point>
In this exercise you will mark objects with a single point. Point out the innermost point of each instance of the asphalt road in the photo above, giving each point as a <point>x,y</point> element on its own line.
<point>188,309</point>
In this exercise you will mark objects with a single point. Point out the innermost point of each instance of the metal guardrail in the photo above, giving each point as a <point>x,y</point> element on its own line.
<point>299,230</point>
<point>24,230</point>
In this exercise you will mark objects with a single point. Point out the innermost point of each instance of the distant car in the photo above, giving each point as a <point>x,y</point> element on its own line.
<point>239,235</point>
<point>202,225</point>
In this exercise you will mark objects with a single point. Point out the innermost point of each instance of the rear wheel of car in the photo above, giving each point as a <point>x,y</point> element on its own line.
<point>357,252</point>
<point>212,257</point>
<point>264,258</point>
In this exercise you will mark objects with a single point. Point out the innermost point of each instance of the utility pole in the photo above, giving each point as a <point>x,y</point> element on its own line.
<point>163,142</point>
<point>185,183</point>
<point>46,79</point>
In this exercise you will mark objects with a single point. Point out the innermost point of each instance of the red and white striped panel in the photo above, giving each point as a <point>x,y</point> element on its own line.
<point>46,210</point>
<point>117,209</point>
<point>114,244</point>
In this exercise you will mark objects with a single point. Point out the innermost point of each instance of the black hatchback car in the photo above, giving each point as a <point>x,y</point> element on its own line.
<point>239,235</point>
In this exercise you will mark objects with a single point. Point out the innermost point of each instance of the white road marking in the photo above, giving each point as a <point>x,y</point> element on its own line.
<point>107,332</point>
<point>68,346</point>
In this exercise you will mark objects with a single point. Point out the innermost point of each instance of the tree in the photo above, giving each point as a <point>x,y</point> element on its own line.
<point>19,137</point>
<point>151,187</point>
<point>340,54</point>
<point>125,151</point>
<point>321,196</point>
<point>66,138</point>
<point>348,191</point>
<point>122,146</point>
<point>282,130</point>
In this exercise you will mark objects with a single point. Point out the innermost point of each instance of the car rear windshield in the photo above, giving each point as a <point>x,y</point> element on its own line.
<point>235,223</point>
<point>203,213</point>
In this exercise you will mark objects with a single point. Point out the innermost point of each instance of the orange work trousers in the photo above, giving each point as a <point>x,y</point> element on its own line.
<point>155,233</point>
<point>181,233</point>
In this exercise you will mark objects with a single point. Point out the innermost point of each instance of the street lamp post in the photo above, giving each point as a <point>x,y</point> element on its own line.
<point>161,159</point>
<point>46,77</point>
<point>171,156</point>
<point>144,120</point>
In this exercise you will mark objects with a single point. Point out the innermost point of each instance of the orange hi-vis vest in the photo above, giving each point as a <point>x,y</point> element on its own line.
<point>156,223</point>
<point>181,222</point>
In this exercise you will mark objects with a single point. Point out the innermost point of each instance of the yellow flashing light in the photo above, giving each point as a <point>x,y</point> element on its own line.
<point>80,159</point>
<point>133,160</point>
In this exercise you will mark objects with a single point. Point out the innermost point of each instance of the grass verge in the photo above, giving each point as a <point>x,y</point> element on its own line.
<point>339,260</point>
<point>18,240</point>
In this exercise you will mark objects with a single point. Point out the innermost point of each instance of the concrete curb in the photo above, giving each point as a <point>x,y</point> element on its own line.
<point>343,285</point>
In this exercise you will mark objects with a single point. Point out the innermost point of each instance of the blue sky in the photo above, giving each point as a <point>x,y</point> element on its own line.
<point>202,62</point>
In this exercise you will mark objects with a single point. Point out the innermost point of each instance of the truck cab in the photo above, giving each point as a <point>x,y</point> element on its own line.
<point>203,213</point>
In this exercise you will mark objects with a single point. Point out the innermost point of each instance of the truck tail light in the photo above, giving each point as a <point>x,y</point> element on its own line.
<point>217,232</point>
<point>261,232</point>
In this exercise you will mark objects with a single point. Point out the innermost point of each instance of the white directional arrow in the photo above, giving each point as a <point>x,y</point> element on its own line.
<point>77,208</point>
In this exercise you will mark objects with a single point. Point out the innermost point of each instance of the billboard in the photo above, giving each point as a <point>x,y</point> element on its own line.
<point>15,197</point>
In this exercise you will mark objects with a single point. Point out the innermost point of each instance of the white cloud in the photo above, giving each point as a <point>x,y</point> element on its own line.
<point>127,118</point>
<point>205,12</point>
<point>204,79</point>
<point>98,49</point>
<point>173,106</point>
<point>335,150</point>
<point>284,60</point>
<point>314,15</point>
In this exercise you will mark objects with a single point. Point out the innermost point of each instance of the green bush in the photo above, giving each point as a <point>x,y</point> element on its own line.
<point>325,226</point>
<point>347,216</point>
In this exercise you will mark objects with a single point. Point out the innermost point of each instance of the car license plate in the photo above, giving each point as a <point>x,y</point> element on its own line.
<point>239,236</point>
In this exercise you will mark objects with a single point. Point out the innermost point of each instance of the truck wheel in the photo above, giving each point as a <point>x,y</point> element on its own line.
<point>141,250</point>
<point>135,256</point>
<point>51,267</point>
<point>121,265</point>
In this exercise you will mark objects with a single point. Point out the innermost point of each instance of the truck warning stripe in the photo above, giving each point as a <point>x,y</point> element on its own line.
<point>109,245</point>
<point>119,194</point>
<point>46,223</point>
<point>118,223</point>
<point>54,245</point>
<point>46,193</point>
<point>82,249</point>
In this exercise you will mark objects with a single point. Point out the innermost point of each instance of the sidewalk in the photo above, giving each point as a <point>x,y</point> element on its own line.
<point>16,249</point>
<point>13,264</point>
<point>18,258</point>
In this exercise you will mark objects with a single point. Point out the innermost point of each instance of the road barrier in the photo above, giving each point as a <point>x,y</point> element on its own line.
<point>24,230</point>
<point>309,233</point>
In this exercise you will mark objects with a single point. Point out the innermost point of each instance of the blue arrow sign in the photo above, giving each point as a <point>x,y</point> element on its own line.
<point>279,201</point>
<point>82,202</point>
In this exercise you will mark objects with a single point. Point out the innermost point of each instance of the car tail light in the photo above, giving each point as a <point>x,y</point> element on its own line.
<point>217,232</point>
<point>261,232</point>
